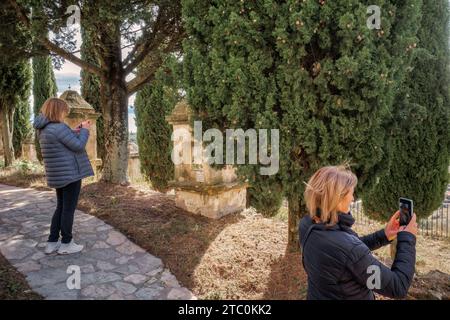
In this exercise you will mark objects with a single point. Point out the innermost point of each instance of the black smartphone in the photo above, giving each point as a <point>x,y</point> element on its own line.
<point>406,211</point>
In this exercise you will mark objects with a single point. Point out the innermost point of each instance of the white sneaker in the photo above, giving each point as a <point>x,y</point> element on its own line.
<point>52,247</point>
<point>69,248</point>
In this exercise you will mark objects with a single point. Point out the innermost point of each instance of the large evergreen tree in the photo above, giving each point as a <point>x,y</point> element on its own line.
<point>44,82</point>
<point>153,103</point>
<point>265,194</point>
<point>90,87</point>
<point>312,69</point>
<point>149,28</point>
<point>22,123</point>
<point>15,84</point>
<point>419,140</point>
<point>44,87</point>
<point>15,81</point>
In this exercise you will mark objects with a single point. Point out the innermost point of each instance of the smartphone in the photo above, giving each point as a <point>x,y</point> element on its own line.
<point>81,125</point>
<point>406,211</point>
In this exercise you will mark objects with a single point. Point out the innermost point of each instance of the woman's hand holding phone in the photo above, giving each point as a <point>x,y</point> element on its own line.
<point>393,226</point>
<point>77,128</point>
<point>86,124</point>
<point>411,227</point>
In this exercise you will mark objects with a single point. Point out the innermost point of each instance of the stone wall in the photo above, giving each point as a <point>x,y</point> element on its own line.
<point>134,168</point>
<point>134,164</point>
<point>29,151</point>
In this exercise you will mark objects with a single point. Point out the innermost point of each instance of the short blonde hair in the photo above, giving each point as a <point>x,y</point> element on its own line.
<point>326,188</point>
<point>55,109</point>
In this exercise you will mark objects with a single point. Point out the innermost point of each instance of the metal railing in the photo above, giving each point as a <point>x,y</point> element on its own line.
<point>436,225</point>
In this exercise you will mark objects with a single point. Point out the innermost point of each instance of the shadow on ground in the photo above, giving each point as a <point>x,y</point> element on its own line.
<point>151,220</point>
<point>287,280</point>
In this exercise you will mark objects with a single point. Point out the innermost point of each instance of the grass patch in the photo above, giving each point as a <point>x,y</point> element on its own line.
<point>241,256</point>
<point>24,174</point>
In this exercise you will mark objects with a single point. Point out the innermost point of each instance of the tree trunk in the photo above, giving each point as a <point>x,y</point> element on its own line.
<point>295,213</point>
<point>115,111</point>
<point>90,84</point>
<point>114,104</point>
<point>7,118</point>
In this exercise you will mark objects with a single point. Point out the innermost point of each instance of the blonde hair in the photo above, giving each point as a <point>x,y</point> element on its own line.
<point>326,188</point>
<point>55,109</point>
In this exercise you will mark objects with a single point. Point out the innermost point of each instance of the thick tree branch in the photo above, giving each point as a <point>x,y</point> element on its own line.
<point>144,42</point>
<point>163,29</point>
<point>147,73</point>
<point>139,81</point>
<point>147,48</point>
<point>21,13</point>
<point>72,58</point>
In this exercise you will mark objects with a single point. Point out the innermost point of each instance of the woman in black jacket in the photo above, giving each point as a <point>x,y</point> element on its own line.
<point>338,262</point>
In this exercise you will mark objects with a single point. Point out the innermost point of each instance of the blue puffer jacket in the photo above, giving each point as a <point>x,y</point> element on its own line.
<point>338,262</point>
<point>63,151</point>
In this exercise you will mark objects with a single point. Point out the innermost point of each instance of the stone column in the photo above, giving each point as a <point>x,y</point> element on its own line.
<point>81,111</point>
<point>199,188</point>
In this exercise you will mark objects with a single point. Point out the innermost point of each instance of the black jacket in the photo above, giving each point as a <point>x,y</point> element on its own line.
<point>337,261</point>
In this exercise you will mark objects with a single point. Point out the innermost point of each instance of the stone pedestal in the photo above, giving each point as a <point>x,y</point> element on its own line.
<point>214,201</point>
<point>134,163</point>
<point>29,149</point>
<point>199,188</point>
<point>81,111</point>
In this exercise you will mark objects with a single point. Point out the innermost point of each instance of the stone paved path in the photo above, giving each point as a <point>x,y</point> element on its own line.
<point>112,267</point>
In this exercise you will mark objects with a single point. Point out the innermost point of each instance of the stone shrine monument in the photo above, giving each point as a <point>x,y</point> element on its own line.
<point>199,188</point>
<point>81,111</point>
<point>29,148</point>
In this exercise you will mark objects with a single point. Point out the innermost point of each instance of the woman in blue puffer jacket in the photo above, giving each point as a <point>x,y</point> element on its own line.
<point>338,262</point>
<point>66,164</point>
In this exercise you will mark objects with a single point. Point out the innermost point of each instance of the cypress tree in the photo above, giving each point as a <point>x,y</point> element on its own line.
<point>153,103</point>
<point>160,32</point>
<point>419,135</point>
<point>312,69</point>
<point>44,87</point>
<point>15,83</point>
<point>265,194</point>
<point>44,82</point>
<point>22,123</point>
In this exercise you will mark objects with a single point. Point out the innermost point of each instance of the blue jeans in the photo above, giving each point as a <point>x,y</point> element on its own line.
<point>62,221</point>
